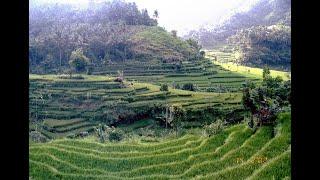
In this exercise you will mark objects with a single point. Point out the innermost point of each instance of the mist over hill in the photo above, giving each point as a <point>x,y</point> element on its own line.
<point>263,13</point>
<point>104,32</point>
<point>262,35</point>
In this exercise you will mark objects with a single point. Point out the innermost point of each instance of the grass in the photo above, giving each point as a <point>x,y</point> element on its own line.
<point>255,72</point>
<point>236,153</point>
<point>61,107</point>
<point>226,60</point>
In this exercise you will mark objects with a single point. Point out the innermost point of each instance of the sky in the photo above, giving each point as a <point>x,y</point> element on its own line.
<point>185,15</point>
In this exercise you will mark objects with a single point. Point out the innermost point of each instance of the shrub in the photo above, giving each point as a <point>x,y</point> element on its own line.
<point>189,87</point>
<point>266,100</point>
<point>130,99</point>
<point>120,77</point>
<point>116,135</point>
<point>105,133</point>
<point>213,128</point>
<point>78,60</point>
<point>202,54</point>
<point>164,87</point>
<point>89,70</point>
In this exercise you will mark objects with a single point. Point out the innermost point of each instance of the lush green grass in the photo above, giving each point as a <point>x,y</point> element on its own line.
<point>61,107</point>
<point>236,153</point>
<point>253,71</point>
<point>227,61</point>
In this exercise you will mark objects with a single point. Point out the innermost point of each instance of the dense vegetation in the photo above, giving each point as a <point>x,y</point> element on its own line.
<point>62,107</point>
<point>108,32</point>
<point>114,96</point>
<point>263,13</point>
<point>264,46</point>
<point>262,35</point>
<point>265,101</point>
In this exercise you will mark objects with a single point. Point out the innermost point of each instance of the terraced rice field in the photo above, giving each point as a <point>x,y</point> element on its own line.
<point>62,107</point>
<point>202,73</point>
<point>236,153</point>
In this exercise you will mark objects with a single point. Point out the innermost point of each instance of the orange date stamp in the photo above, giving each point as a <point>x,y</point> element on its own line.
<point>255,160</point>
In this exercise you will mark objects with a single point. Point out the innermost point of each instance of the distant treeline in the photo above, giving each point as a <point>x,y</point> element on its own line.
<point>264,46</point>
<point>249,30</point>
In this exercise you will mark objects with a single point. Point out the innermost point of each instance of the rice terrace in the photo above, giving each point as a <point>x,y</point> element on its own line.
<point>114,93</point>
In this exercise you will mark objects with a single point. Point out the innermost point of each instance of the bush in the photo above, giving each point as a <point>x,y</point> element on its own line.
<point>213,128</point>
<point>116,135</point>
<point>105,133</point>
<point>130,99</point>
<point>202,54</point>
<point>189,87</point>
<point>89,70</point>
<point>78,60</point>
<point>120,77</point>
<point>164,87</point>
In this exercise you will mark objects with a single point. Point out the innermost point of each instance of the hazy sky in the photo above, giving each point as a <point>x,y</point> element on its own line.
<point>185,15</point>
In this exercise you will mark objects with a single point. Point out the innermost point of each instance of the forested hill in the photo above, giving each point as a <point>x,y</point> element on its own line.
<point>263,13</point>
<point>261,35</point>
<point>103,33</point>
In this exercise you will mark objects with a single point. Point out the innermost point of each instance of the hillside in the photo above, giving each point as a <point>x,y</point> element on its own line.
<point>62,107</point>
<point>261,35</point>
<point>112,95</point>
<point>263,13</point>
<point>103,35</point>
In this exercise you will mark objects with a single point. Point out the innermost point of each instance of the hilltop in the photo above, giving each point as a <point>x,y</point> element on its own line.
<point>105,33</point>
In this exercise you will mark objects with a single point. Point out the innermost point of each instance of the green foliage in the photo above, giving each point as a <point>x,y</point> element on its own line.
<point>78,60</point>
<point>194,44</point>
<point>265,45</point>
<point>213,128</point>
<point>202,54</point>
<point>111,134</point>
<point>265,73</point>
<point>116,135</point>
<point>174,33</point>
<point>120,77</point>
<point>89,70</point>
<point>266,100</point>
<point>163,46</point>
<point>115,31</point>
<point>189,87</point>
<point>164,87</point>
